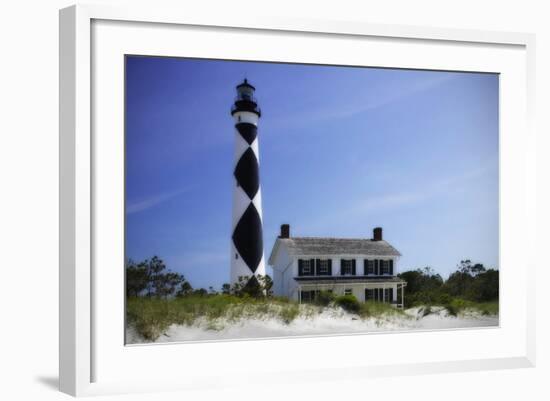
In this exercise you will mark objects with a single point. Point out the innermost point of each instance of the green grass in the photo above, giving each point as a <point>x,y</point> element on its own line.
<point>151,317</point>
<point>369,309</point>
<point>457,306</point>
<point>378,309</point>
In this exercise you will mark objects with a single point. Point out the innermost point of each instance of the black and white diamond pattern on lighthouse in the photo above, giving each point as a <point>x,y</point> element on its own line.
<point>240,203</point>
<point>248,132</point>
<point>247,256</point>
<point>247,237</point>
<point>247,173</point>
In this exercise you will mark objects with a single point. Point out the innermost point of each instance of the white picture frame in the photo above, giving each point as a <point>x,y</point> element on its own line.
<point>80,345</point>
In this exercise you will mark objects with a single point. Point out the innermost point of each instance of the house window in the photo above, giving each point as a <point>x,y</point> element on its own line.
<point>369,294</point>
<point>384,267</point>
<point>306,267</point>
<point>378,294</point>
<point>307,296</point>
<point>369,267</point>
<point>388,295</point>
<point>348,291</point>
<point>347,267</point>
<point>323,267</point>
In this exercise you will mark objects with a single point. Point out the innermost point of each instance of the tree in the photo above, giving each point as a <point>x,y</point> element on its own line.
<point>184,289</point>
<point>226,289</point>
<point>251,286</point>
<point>166,283</point>
<point>136,278</point>
<point>256,286</point>
<point>458,283</point>
<point>484,286</point>
<point>467,267</point>
<point>266,283</point>
<point>421,280</point>
<point>200,292</point>
<point>154,266</point>
<point>152,278</point>
<point>468,282</point>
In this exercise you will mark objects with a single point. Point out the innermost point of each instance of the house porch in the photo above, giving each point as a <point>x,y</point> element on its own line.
<point>388,291</point>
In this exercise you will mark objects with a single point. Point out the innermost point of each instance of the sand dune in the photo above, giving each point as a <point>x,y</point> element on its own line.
<point>330,321</point>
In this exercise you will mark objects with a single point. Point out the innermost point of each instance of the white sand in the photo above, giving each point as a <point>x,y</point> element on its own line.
<point>328,322</point>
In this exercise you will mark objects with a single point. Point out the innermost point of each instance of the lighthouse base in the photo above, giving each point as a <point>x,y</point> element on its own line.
<point>240,269</point>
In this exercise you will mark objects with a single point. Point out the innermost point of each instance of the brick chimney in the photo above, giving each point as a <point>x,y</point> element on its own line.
<point>285,231</point>
<point>377,234</point>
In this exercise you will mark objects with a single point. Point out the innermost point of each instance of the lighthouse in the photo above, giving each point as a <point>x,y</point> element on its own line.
<point>247,249</point>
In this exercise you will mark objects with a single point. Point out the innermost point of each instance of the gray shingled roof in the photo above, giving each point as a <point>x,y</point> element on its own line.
<point>338,246</point>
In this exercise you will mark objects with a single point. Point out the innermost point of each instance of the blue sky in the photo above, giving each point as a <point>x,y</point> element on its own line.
<point>342,150</point>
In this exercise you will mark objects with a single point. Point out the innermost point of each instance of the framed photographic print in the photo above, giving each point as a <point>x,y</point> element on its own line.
<point>290,189</point>
<point>413,150</point>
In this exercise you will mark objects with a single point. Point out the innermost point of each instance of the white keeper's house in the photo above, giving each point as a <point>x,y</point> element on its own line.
<point>366,268</point>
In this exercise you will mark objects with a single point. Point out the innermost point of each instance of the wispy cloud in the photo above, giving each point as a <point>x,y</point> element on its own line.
<point>147,203</point>
<point>393,201</point>
<point>443,185</point>
<point>357,107</point>
<point>386,98</point>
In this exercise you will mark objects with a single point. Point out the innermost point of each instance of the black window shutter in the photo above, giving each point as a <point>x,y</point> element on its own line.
<point>365,263</point>
<point>376,267</point>
<point>330,267</point>
<point>317,266</point>
<point>300,267</point>
<point>341,267</point>
<point>312,267</point>
<point>391,295</point>
<point>391,267</point>
<point>353,267</point>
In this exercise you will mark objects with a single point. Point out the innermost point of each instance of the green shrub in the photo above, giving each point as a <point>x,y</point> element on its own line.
<point>470,282</point>
<point>324,298</point>
<point>349,303</point>
<point>289,313</point>
<point>458,305</point>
